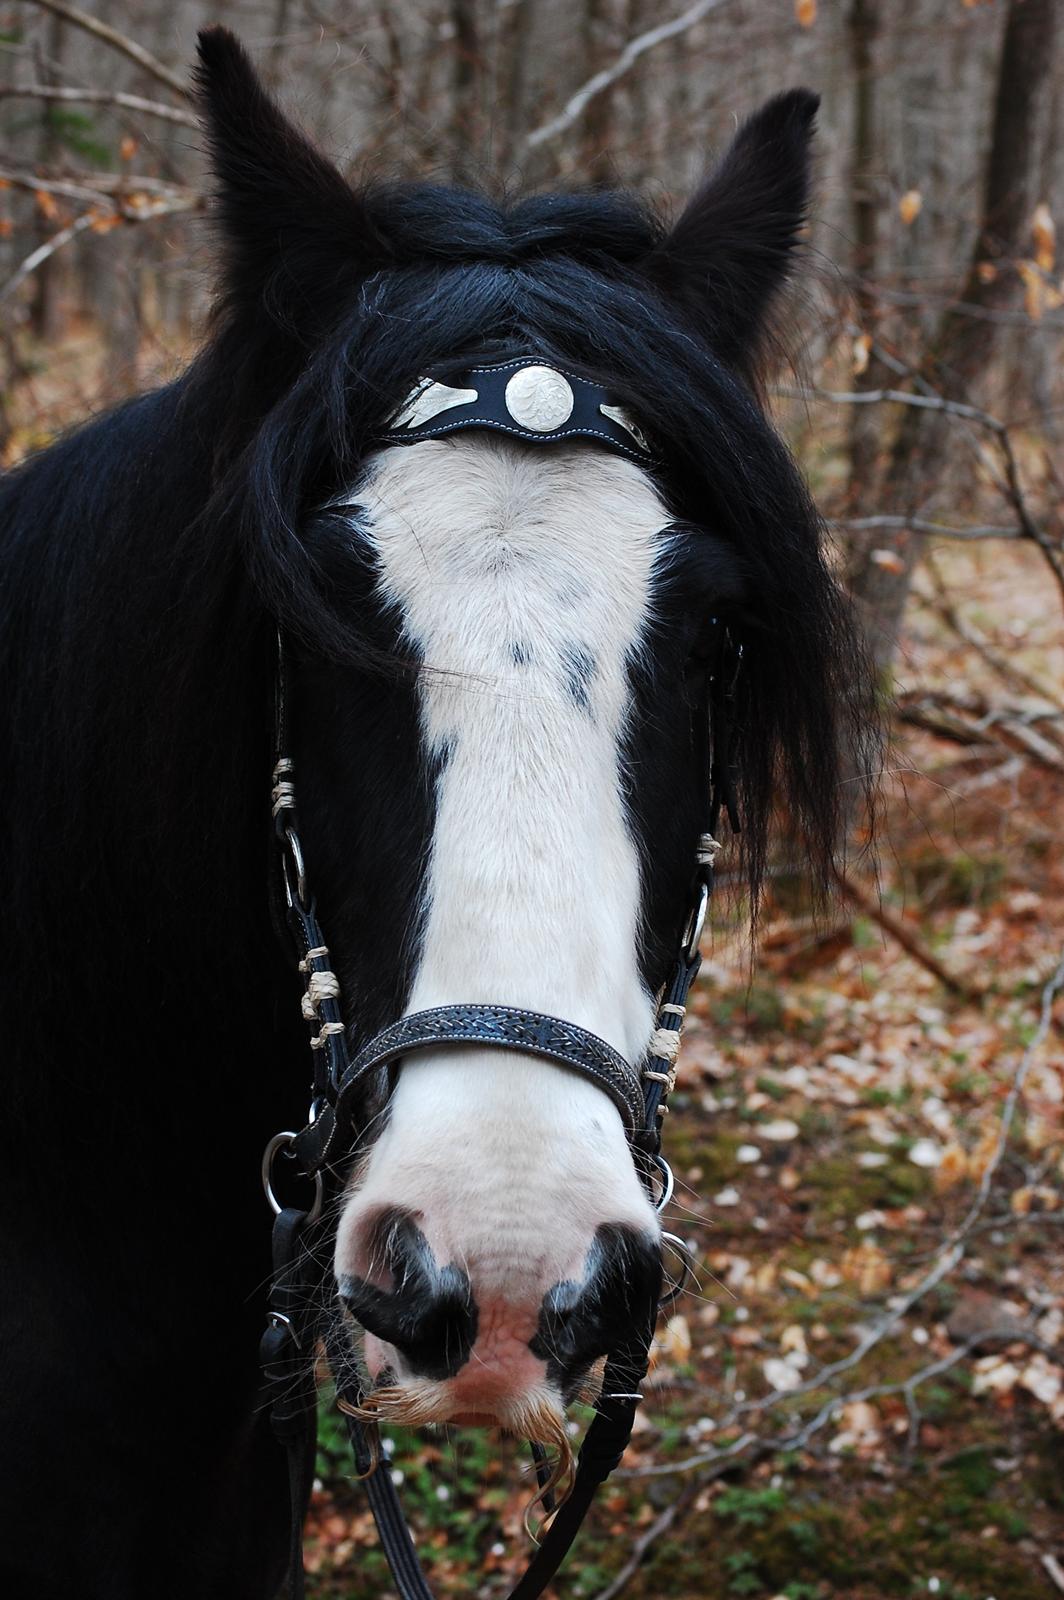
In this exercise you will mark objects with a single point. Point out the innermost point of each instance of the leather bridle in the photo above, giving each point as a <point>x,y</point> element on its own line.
<point>299,1321</point>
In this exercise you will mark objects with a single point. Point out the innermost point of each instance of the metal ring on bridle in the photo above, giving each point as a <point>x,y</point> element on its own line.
<point>668,1183</point>
<point>696,922</point>
<point>284,1141</point>
<point>673,1294</point>
<point>292,858</point>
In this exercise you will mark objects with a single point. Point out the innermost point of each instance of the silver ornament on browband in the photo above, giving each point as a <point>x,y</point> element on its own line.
<point>524,398</point>
<point>428,400</point>
<point>623,418</point>
<point>540,399</point>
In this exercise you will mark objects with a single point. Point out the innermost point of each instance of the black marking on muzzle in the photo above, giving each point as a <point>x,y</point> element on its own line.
<point>581,1321</point>
<point>429,1316</point>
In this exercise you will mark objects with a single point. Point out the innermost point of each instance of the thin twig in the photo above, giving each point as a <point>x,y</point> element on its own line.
<point>1054,1569</point>
<point>624,62</point>
<point>937,530</point>
<point>118,41</point>
<point>944,608</point>
<point>1051,989</point>
<point>649,1537</point>
<point>129,195</point>
<point>38,257</point>
<point>1052,554</point>
<point>900,397</point>
<point>98,97</point>
<point>904,935</point>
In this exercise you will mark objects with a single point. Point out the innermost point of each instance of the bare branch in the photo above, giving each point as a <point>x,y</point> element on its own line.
<point>624,63</point>
<point>1052,988</point>
<point>43,251</point>
<point>938,530</point>
<point>118,41</point>
<point>132,195</point>
<point>944,608</point>
<point>904,935</point>
<point>900,397</point>
<point>1014,490</point>
<point>98,97</point>
<point>1054,1569</point>
<point>1047,323</point>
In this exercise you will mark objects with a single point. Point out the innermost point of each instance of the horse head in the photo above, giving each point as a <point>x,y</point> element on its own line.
<point>506,486</point>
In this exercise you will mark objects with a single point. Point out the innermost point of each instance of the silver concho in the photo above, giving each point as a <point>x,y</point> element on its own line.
<point>539,398</point>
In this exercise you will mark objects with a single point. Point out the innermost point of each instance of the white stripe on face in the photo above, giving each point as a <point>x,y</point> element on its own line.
<point>523,577</point>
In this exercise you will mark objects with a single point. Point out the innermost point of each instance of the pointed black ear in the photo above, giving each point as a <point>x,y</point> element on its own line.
<point>293,228</point>
<point>730,250</point>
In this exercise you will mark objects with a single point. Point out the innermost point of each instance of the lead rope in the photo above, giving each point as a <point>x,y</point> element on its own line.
<point>296,1323</point>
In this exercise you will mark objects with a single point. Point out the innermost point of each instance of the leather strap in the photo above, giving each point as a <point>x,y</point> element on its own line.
<point>287,1356</point>
<point>502,1027</point>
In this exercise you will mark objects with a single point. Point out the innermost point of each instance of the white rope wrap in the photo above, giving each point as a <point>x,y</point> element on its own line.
<point>319,952</point>
<point>665,1044</point>
<point>283,793</point>
<point>665,1047</point>
<point>320,986</point>
<point>708,849</point>
<point>327,1028</point>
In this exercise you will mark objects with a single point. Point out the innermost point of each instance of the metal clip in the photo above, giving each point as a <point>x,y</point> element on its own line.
<point>673,1294</point>
<point>277,1319</point>
<point>668,1183</point>
<point>696,922</point>
<point>284,1141</point>
<point>293,868</point>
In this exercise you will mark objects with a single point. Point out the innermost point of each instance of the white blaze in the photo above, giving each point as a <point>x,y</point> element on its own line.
<point>523,577</point>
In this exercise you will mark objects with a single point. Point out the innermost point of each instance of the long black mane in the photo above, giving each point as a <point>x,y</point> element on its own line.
<point>127,546</point>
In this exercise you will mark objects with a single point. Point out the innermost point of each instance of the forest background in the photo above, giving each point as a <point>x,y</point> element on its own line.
<point>864,1395</point>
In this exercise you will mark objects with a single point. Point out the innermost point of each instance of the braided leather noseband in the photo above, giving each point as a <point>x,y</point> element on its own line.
<point>297,1324</point>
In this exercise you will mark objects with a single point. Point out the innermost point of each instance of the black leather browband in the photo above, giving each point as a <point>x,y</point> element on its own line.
<point>525,398</point>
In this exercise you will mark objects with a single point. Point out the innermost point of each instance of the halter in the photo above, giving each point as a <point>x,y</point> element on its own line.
<point>542,404</point>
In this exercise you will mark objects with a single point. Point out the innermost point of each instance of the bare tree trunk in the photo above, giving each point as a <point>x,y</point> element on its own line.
<point>866,422</point>
<point>465,88</point>
<point>514,74</point>
<point>597,166</point>
<point>641,127</point>
<point>882,568</point>
<point>46,316</point>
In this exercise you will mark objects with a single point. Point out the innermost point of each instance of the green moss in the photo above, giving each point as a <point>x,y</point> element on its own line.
<point>938,880</point>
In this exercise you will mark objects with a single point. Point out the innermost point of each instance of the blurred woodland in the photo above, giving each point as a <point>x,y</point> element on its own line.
<point>865,1395</point>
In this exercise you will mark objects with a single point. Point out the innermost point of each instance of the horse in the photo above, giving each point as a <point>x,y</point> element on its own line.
<point>499,476</point>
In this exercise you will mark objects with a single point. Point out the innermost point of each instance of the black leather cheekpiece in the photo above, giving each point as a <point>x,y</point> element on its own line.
<point>525,398</point>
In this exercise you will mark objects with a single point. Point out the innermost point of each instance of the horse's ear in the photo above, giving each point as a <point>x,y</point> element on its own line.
<point>730,250</point>
<point>293,228</point>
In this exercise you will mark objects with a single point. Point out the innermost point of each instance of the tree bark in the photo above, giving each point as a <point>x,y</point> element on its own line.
<point>881,570</point>
<point>866,422</point>
<point>466,121</point>
<point>597,166</point>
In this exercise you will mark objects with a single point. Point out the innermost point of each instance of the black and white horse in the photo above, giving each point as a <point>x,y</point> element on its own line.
<point>494,648</point>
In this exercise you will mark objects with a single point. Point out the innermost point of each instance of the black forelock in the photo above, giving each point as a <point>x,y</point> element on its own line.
<point>563,279</point>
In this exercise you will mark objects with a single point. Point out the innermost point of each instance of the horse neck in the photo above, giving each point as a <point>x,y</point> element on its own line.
<point>138,920</point>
